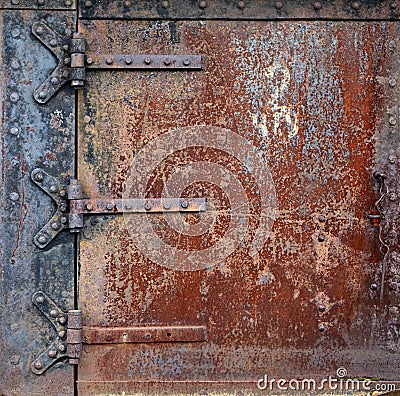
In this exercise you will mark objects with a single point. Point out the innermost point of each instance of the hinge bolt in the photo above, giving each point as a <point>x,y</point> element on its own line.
<point>42,239</point>
<point>167,62</point>
<point>68,3</point>
<point>61,333</point>
<point>63,207</point>
<point>167,205</point>
<point>39,30</point>
<point>54,80</point>
<point>393,196</point>
<point>53,42</point>
<point>110,206</point>
<point>61,348</point>
<point>55,226</point>
<point>38,365</point>
<point>128,206</point>
<point>89,61</point>
<point>128,61</point>
<point>42,95</point>
<point>39,299</point>
<point>278,5</point>
<point>147,61</point>
<point>88,4</point>
<point>127,4</point>
<point>392,120</point>
<point>184,204</point>
<point>321,308</point>
<point>52,353</point>
<point>109,61</point>
<point>186,62</point>
<point>89,207</point>
<point>53,188</point>
<point>63,193</point>
<point>53,313</point>
<point>147,205</point>
<point>64,220</point>
<point>14,196</point>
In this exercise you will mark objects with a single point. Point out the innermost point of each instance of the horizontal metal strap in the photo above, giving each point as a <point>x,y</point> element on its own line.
<point>137,205</point>
<point>163,62</point>
<point>139,334</point>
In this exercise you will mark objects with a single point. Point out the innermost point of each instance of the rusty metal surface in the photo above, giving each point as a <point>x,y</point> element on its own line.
<point>142,334</point>
<point>236,10</point>
<point>38,4</point>
<point>31,136</point>
<point>277,132</point>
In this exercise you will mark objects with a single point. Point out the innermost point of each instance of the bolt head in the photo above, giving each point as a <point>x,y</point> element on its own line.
<point>393,197</point>
<point>321,308</point>
<point>89,61</point>
<point>394,310</point>
<point>355,5</point>
<point>278,5</point>
<point>89,207</point>
<point>128,206</point>
<point>42,239</point>
<point>63,193</point>
<point>53,313</point>
<point>39,177</point>
<point>202,4</point>
<point>42,95</point>
<point>68,3</point>
<point>186,62</point>
<point>88,4</point>
<point>147,336</point>
<point>321,218</point>
<point>53,42</point>
<point>53,188</point>
<point>167,205</point>
<point>14,196</point>
<point>321,328</point>
<point>241,5</point>
<point>392,158</point>
<point>40,2</point>
<point>167,62</point>
<point>184,204</point>
<point>61,333</point>
<point>392,121</point>
<point>109,61</point>
<point>321,238</point>
<point>55,225</point>
<point>147,205</point>
<point>110,206</point>
<point>128,61</point>
<point>127,4</point>
<point>147,61</point>
<point>63,207</point>
<point>14,130</point>
<point>54,80</point>
<point>317,5</point>
<point>52,353</point>
<point>38,365</point>
<point>64,220</point>
<point>39,30</point>
<point>61,347</point>
<point>393,5</point>
<point>374,287</point>
<point>62,320</point>
<point>165,4</point>
<point>392,82</point>
<point>39,299</point>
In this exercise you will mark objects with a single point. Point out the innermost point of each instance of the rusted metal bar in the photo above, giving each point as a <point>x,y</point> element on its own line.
<point>140,334</point>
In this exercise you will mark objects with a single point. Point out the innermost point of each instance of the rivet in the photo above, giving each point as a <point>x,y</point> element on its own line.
<point>392,120</point>
<point>65,74</point>
<point>109,61</point>
<point>55,225</point>
<point>147,205</point>
<point>53,313</point>
<point>15,2</point>
<point>110,206</point>
<point>39,176</point>
<point>321,308</point>
<point>147,336</point>
<point>167,61</point>
<point>14,130</point>
<point>14,196</point>
<point>67,61</point>
<point>61,333</point>
<point>355,5</point>
<point>374,286</point>
<point>65,47</point>
<point>88,4</point>
<point>53,188</point>
<point>54,80</point>
<point>64,220</point>
<point>40,2</point>
<point>38,364</point>
<point>393,286</point>
<point>241,5</point>
<point>67,31</point>
<point>14,97</point>
<point>393,5</point>
<point>392,82</point>
<point>147,61</point>
<point>63,207</point>
<point>321,328</point>
<point>202,4</point>
<point>278,5</point>
<point>61,348</point>
<point>53,42</point>
<point>15,64</point>
<point>14,360</point>
<point>39,299</point>
<point>128,61</point>
<point>42,239</point>
<point>128,206</point>
<point>321,238</point>
<point>127,4</point>
<point>89,207</point>
<point>39,30</point>
<point>317,5</point>
<point>186,62</point>
<point>392,158</point>
<point>167,205</point>
<point>62,319</point>
<point>15,32</point>
<point>165,4</point>
<point>52,353</point>
<point>392,45</point>
<point>184,204</point>
<point>89,61</point>
<point>62,193</point>
<point>393,196</point>
<point>68,3</point>
<point>394,310</point>
<point>42,94</point>
<point>321,218</point>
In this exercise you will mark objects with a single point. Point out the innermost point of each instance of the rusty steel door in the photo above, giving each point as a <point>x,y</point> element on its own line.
<point>230,180</point>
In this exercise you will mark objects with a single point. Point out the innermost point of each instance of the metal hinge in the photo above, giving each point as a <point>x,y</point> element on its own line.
<point>70,52</point>
<point>71,206</point>
<point>68,327</point>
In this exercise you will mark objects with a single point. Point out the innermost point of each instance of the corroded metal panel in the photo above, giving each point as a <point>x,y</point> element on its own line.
<point>237,10</point>
<point>283,268</point>
<point>31,136</point>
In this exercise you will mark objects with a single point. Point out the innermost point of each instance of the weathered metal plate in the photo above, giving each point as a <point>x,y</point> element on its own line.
<point>39,4</point>
<point>31,136</point>
<point>277,132</point>
<point>237,10</point>
<point>142,334</point>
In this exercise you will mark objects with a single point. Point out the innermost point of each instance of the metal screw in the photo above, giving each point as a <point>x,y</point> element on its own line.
<point>393,196</point>
<point>109,61</point>
<point>62,319</point>
<point>392,82</point>
<point>321,328</point>
<point>38,365</point>
<point>128,61</point>
<point>42,95</point>
<point>355,5</point>
<point>61,348</point>
<point>186,62</point>
<point>128,206</point>
<point>15,33</point>
<point>321,308</point>
<point>88,4</point>
<point>68,3</point>
<point>39,30</point>
<point>64,220</point>
<point>53,188</point>
<point>53,42</point>
<point>392,158</point>
<point>42,239</point>
<point>14,196</point>
<point>14,97</point>
<point>89,61</point>
<point>62,193</point>
<point>61,333</point>
<point>40,2</point>
<point>167,62</point>
<point>15,2</point>
<point>321,218</point>
<point>241,5</point>
<point>147,336</point>
<point>374,286</point>
<point>53,313</point>
<point>67,61</point>
<point>127,4</point>
<point>52,353</point>
<point>392,120</point>
<point>393,5</point>
<point>167,205</point>
<point>14,130</point>
<point>89,207</point>
<point>55,226</point>
<point>54,80</point>
<point>184,204</point>
<point>165,4</point>
<point>202,4</point>
<point>63,207</point>
<point>278,5</point>
<point>147,205</point>
<point>14,360</point>
<point>321,238</point>
<point>39,299</point>
<point>317,5</point>
<point>147,61</point>
<point>39,177</point>
<point>110,206</point>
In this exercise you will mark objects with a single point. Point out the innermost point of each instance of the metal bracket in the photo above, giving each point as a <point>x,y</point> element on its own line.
<point>72,61</point>
<point>68,326</point>
<point>71,206</point>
